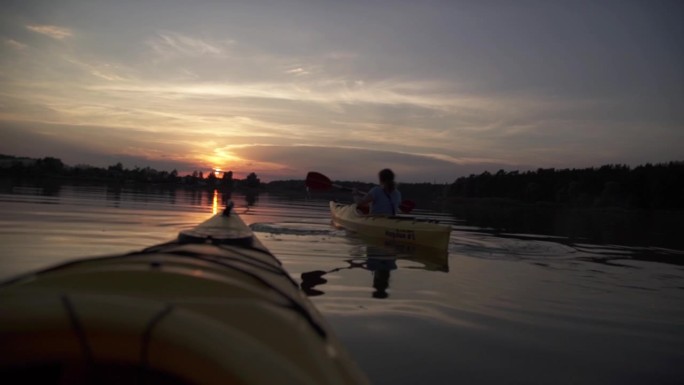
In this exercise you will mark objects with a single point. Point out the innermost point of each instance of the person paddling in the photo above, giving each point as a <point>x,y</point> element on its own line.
<point>383,199</point>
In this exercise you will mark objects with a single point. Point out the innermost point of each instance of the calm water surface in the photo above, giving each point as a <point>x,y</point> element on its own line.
<point>497,308</point>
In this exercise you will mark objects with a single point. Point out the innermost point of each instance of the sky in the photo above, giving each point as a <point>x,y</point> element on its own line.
<point>434,90</point>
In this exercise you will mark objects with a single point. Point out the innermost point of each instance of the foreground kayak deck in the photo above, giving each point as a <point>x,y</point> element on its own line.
<point>213,307</point>
<point>391,229</point>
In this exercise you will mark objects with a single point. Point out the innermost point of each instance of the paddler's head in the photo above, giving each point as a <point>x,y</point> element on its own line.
<point>386,179</point>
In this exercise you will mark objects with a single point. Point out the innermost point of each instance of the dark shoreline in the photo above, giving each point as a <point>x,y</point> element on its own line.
<point>647,230</point>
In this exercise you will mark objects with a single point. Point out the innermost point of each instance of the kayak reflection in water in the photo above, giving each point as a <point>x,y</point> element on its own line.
<point>380,267</point>
<point>383,199</point>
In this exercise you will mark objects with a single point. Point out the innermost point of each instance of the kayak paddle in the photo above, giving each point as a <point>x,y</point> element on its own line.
<point>317,181</point>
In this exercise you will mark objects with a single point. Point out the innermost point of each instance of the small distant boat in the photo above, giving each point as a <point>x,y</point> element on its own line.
<point>211,307</point>
<point>397,229</point>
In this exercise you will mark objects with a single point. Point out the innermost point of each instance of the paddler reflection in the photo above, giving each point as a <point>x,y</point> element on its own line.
<point>381,268</point>
<point>380,260</point>
<point>377,261</point>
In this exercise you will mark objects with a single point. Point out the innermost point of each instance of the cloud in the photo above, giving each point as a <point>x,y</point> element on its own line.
<point>172,44</point>
<point>15,44</point>
<point>496,133</point>
<point>101,145</point>
<point>347,163</point>
<point>97,146</point>
<point>299,71</point>
<point>55,32</point>
<point>102,70</point>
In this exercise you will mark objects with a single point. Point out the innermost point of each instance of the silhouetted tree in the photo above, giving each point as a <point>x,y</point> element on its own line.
<point>227,179</point>
<point>51,165</point>
<point>173,176</point>
<point>252,181</point>
<point>211,179</point>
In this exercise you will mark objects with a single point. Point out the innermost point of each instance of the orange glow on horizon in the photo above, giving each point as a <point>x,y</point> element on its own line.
<point>219,159</point>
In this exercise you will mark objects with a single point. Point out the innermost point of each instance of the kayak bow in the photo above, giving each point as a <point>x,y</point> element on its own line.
<point>212,307</point>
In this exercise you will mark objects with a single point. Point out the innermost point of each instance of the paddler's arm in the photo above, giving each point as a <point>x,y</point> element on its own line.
<point>360,199</point>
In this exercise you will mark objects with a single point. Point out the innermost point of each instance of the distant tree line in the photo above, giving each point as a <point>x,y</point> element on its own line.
<point>659,186</point>
<point>28,168</point>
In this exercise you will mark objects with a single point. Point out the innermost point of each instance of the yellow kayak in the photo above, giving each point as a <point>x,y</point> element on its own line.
<point>394,229</point>
<point>212,307</point>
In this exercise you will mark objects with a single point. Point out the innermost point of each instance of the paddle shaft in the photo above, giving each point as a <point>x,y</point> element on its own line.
<point>345,188</point>
<point>317,181</point>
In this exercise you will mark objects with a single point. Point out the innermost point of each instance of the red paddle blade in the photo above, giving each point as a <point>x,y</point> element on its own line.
<point>407,206</point>
<point>317,181</point>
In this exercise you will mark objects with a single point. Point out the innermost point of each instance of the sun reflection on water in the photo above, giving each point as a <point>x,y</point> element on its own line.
<point>214,202</point>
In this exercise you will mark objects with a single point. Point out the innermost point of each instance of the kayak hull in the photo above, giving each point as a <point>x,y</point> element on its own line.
<point>403,230</point>
<point>213,307</point>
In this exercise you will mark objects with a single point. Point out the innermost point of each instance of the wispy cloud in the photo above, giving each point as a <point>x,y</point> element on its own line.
<point>358,162</point>
<point>321,90</point>
<point>299,71</point>
<point>170,44</point>
<point>98,69</point>
<point>15,44</point>
<point>52,31</point>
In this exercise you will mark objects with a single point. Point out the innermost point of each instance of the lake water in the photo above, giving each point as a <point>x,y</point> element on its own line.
<point>496,308</point>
